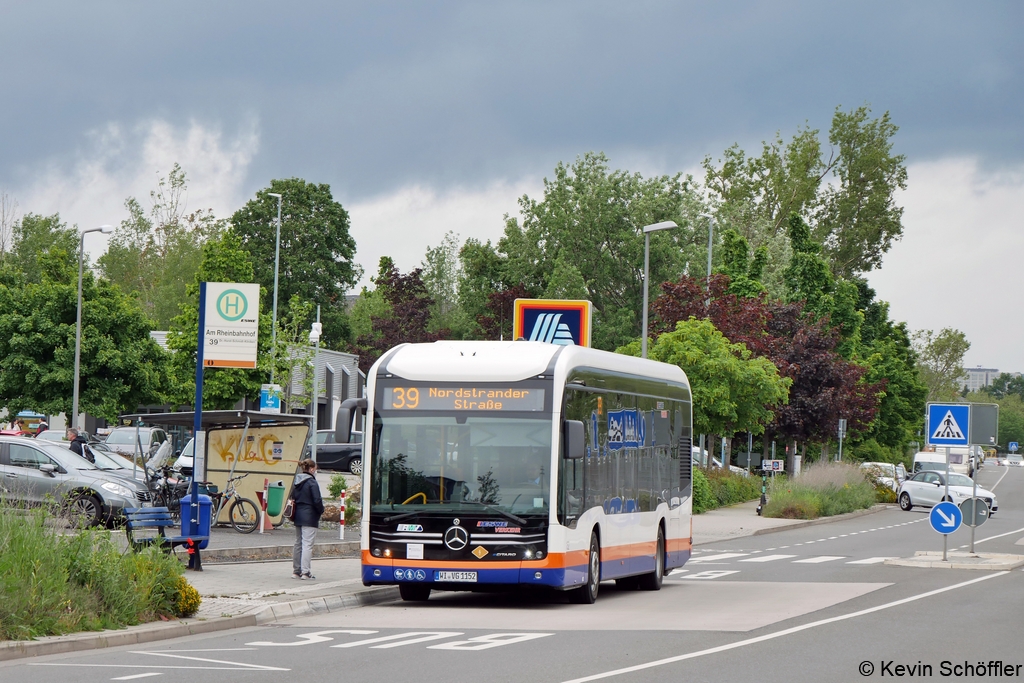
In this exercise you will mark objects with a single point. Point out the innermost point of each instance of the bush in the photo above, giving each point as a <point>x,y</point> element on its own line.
<point>52,583</point>
<point>715,487</point>
<point>731,488</point>
<point>822,490</point>
<point>703,498</point>
<point>187,600</point>
<point>337,485</point>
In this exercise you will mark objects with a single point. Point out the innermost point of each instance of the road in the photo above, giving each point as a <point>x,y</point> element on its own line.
<point>810,604</point>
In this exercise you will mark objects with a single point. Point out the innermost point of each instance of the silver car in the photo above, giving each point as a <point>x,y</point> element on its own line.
<point>35,472</point>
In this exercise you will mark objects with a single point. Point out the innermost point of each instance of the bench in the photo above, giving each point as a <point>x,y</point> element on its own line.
<point>159,518</point>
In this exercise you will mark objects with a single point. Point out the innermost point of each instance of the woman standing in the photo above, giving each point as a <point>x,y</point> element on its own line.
<point>308,508</point>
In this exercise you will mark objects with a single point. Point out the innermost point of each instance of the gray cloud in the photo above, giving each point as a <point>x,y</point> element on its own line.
<point>374,97</point>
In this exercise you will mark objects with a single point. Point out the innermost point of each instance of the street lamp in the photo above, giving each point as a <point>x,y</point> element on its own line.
<point>314,338</point>
<point>711,232</point>
<point>277,264</point>
<point>648,229</point>
<point>106,230</point>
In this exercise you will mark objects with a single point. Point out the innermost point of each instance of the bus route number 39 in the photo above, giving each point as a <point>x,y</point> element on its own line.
<point>405,398</point>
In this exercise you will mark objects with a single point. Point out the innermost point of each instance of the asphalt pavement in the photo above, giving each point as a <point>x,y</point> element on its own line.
<point>809,603</point>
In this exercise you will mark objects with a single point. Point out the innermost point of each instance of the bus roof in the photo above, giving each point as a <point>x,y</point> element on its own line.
<point>493,361</point>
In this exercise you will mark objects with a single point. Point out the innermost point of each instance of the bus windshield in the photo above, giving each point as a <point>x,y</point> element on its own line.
<point>456,464</point>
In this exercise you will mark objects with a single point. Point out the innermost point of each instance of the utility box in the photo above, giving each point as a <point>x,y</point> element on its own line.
<point>275,498</point>
<point>202,525</point>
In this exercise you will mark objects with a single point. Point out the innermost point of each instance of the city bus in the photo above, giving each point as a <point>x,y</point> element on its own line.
<point>522,463</point>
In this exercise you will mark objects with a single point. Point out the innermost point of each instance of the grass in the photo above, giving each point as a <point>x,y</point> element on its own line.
<point>53,583</point>
<point>822,490</point>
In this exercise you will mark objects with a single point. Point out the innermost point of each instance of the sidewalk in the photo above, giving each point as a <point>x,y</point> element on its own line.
<point>238,594</point>
<point>741,520</point>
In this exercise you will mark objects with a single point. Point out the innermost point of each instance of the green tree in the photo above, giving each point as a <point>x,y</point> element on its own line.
<point>809,279</point>
<point>316,249</point>
<point>223,260</point>
<point>941,362</point>
<point>887,350</point>
<point>35,235</point>
<point>156,254</point>
<point>121,366</point>
<point>584,238</point>
<point>732,391</point>
<point>858,218</point>
<point>849,193</point>
<point>744,272</point>
<point>442,275</point>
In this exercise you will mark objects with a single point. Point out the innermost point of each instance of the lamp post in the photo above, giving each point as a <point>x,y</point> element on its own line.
<point>314,338</point>
<point>277,264</point>
<point>106,230</point>
<point>711,233</point>
<point>648,229</point>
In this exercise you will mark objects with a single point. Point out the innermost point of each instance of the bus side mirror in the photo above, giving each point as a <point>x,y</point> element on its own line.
<point>573,440</point>
<point>343,420</point>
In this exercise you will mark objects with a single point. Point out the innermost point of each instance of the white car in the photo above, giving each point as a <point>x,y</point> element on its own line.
<point>928,488</point>
<point>884,473</point>
<point>1014,460</point>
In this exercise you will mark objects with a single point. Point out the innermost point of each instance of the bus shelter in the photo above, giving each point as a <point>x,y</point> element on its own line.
<point>265,446</point>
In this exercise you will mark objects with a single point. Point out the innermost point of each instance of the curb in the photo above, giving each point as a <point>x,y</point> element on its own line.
<point>804,523</point>
<point>148,633</point>
<point>878,507</point>
<point>993,562</point>
<point>278,552</point>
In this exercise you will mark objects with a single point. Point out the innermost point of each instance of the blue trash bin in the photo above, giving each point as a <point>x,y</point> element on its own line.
<point>202,528</point>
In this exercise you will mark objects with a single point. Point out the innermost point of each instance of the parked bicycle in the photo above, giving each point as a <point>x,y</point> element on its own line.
<point>243,514</point>
<point>168,488</point>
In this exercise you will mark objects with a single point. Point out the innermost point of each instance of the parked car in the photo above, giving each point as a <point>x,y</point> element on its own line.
<point>34,472</point>
<point>123,440</point>
<point>342,457</point>
<point>928,488</point>
<point>883,473</point>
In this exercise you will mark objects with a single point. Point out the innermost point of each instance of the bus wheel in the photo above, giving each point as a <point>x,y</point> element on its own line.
<point>587,593</point>
<point>414,592</point>
<point>652,581</point>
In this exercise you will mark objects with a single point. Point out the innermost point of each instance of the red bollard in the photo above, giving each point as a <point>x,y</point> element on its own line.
<point>341,524</point>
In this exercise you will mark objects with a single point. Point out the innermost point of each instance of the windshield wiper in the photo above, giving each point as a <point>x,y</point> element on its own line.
<point>404,515</point>
<point>507,515</point>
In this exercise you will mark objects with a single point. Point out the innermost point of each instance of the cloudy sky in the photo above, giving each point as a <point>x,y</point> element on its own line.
<point>428,117</point>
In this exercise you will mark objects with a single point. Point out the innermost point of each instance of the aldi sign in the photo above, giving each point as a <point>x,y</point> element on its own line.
<point>554,321</point>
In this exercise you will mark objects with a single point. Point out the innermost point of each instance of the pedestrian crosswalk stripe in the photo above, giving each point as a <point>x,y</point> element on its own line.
<point>872,560</point>
<point>819,559</point>
<point>767,558</point>
<point>715,558</point>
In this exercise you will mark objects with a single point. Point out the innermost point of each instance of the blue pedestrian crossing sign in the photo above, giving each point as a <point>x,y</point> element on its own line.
<point>1014,447</point>
<point>946,517</point>
<point>949,424</point>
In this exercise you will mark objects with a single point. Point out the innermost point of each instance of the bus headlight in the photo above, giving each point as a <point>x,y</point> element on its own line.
<point>377,552</point>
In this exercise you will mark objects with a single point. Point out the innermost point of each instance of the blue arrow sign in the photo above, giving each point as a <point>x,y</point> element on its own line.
<point>949,424</point>
<point>946,517</point>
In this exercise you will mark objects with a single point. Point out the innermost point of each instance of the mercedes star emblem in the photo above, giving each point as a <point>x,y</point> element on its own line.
<point>456,538</point>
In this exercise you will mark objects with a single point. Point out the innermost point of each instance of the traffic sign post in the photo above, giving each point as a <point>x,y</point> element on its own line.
<point>945,518</point>
<point>842,433</point>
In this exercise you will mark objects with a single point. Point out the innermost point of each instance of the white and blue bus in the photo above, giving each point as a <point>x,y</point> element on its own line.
<point>522,463</point>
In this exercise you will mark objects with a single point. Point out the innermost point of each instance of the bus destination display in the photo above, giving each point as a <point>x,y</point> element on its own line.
<point>504,398</point>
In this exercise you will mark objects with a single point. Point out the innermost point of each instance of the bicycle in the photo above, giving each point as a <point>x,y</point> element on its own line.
<point>243,513</point>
